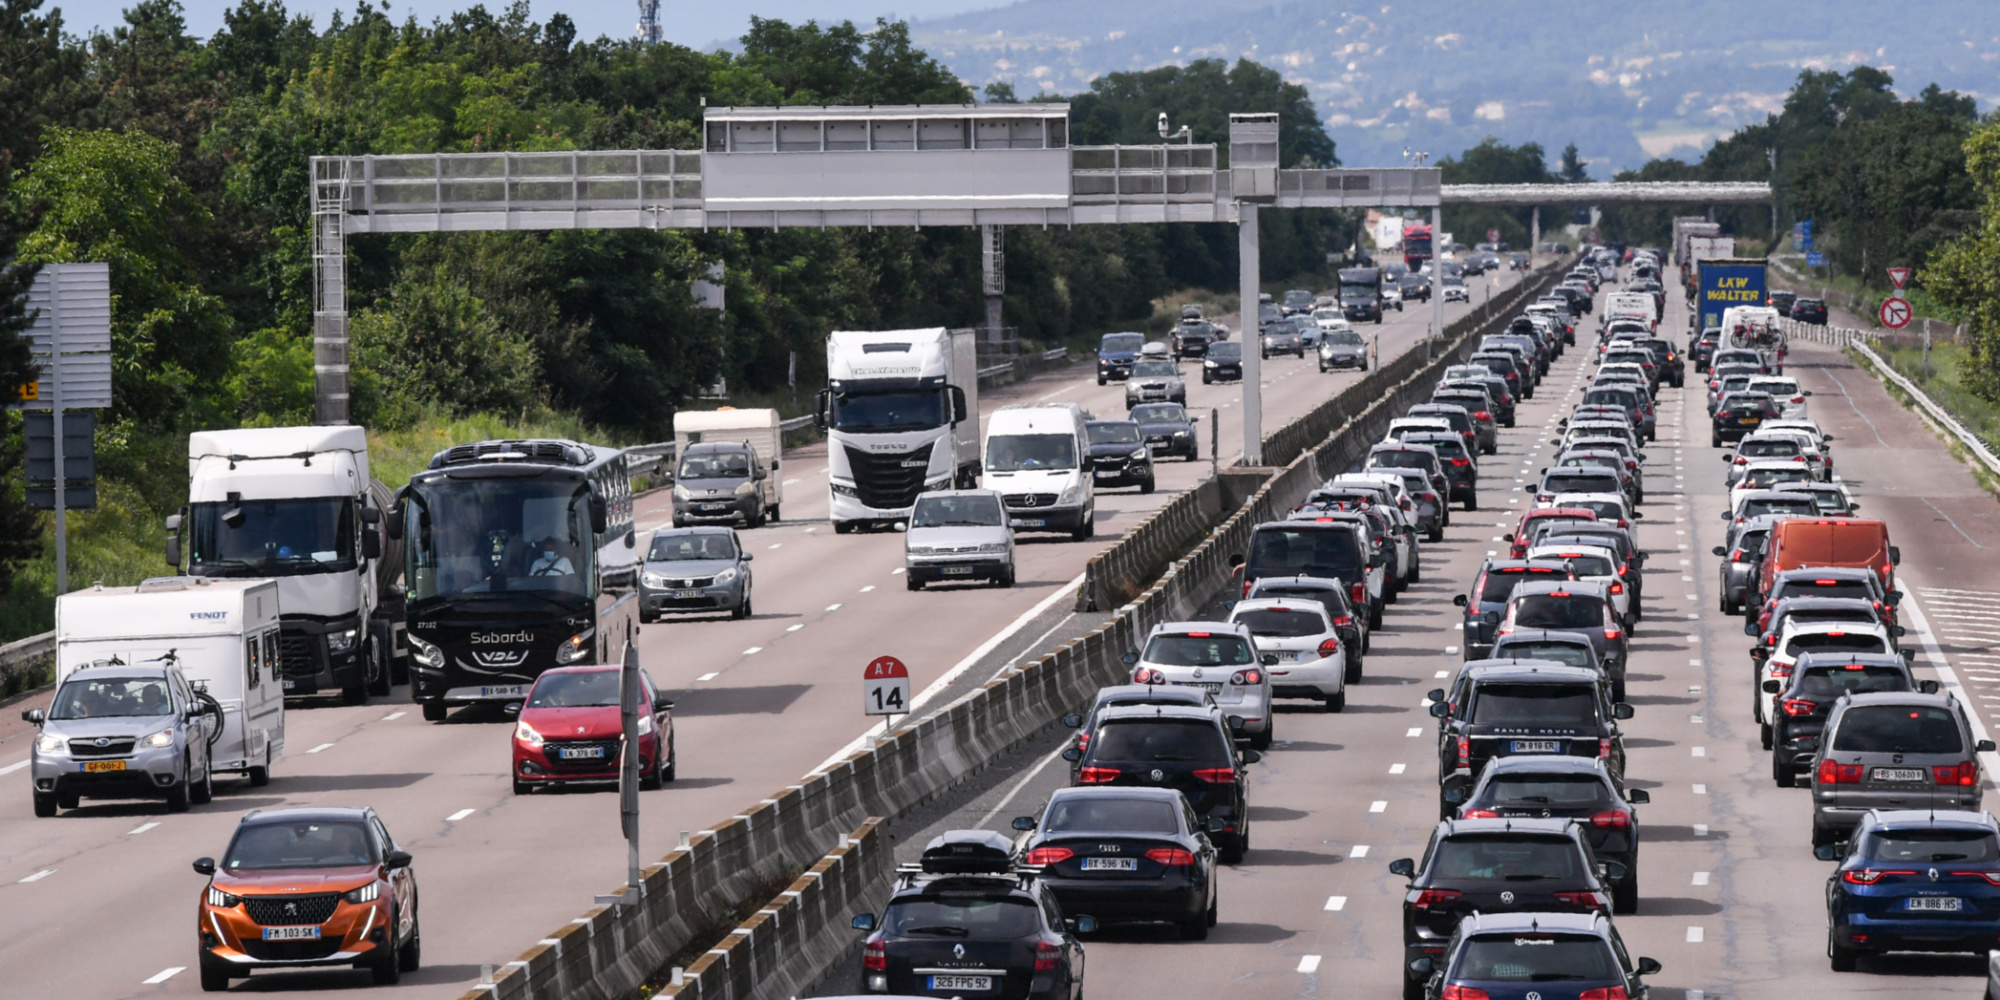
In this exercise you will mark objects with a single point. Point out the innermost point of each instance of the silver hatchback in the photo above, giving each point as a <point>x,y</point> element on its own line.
<point>700,569</point>
<point>1220,658</point>
<point>1893,750</point>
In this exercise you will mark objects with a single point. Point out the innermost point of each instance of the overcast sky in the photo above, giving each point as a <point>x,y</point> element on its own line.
<point>686,22</point>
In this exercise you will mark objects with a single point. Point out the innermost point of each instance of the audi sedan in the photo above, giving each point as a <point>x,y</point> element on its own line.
<point>1125,854</point>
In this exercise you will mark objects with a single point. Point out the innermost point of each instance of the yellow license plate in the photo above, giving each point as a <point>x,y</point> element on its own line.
<point>104,765</point>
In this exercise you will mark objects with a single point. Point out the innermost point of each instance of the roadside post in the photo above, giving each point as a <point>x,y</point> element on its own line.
<point>629,693</point>
<point>885,690</point>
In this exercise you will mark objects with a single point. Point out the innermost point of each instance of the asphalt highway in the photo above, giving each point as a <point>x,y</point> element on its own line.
<point>100,902</point>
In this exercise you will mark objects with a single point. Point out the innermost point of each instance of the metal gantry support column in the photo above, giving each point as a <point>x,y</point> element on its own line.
<point>1437,283</point>
<point>1534,231</point>
<point>330,195</point>
<point>1253,341</point>
<point>993,261</point>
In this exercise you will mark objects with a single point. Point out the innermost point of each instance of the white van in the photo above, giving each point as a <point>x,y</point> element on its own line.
<point>222,633</point>
<point>1036,458</point>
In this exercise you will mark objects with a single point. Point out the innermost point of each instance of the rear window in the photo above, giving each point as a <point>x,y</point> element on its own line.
<point>1331,551</point>
<point>1924,847</point>
<point>1500,582</point>
<point>1331,600</point>
<point>1401,459</point>
<point>1766,478</point>
<point>1505,704</point>
<point>1146,740</point>
<point>1841,642</point>
<point>1279,623</point>
<point>1826,683</point>
<point>1545,791</point>
<point>1506,857</point>
<point>1608,397</point>
<point>1535,958</point>
<point>1579,482</point>
<point>1574,611</point>
<point>1561,652</point>
<point>949,916</point>
<point>1088,813</point>
<point>1829,588</point>
<point>1606,510</point>
<point>1197,650</point>
<point>1779,448</point>
<point>1801,507</point>
<point>1583,564</point>
<point>1114,342</point>
<point>1898,729</point>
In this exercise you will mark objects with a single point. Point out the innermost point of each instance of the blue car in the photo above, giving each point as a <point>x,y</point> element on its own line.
<point>1913,880</point>
<point>1544,956</point>
<point>1115,354</point>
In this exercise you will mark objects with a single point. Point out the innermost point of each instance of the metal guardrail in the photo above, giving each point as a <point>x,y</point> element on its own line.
<point>644,458</point>
<point>25,663</point>
<point>1857,340</point>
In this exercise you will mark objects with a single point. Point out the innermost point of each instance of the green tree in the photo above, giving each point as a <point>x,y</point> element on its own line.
<point>1965,273</point>
<point>20,527</point>
<point>1495,162</point>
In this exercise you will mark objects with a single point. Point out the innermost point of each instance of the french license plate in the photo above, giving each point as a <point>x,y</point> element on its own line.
<point>104,765</point>
<point>1210,687</point>
<point>1536,746</point>
<point>1031,522</point>
<point>956,570</point>
<point>1106,473</point>
<point>1899,774</point>
<point>504,691</point>
<point>686,595</point>
<point>308,933</point>
<point>1936,904</point>
<point>1292,657</point>
<point>715,506</point>
<point>581,753</point>
<point>289,685</point>
<point>961,983</point>
<point>1111,864</point>
<point>1156,445</point>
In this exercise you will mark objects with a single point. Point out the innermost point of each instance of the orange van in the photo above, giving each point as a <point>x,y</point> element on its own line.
<point>1848,541</point>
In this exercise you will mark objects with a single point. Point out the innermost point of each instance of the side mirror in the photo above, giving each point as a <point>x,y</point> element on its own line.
<point>1129,657</point>
<point>1909,657</point>
<point>1728,458</point>
<point>1928,687</point>
<point>1085,924</point>
<point>392,522</point>
<point>958,407</point>
<point>1439,710</point>
<point>1749,628</point>
<point>1235,723</point>
<point>600,515</point>
<point>1423,967</point>
<point>1621,711</point>
<point>1456,796</point>
<point>1983,746</point>
<point>1555,441</point>
<point>371,545</point>
<point>1615,871</point>
<point>1827,852</point>
<point>1719,551</point>
<point>174,540</point>
<point>1406,867</point>
<point>1462,601</point>
<point>1638,796</point>
<point>1895,556</point>
<point>1772,687</point>
<point>1252,756</point>
<point>1435,694</point>
<point>820,399</point>
<point>1808,392</point>
<point>1724,515</point>
<point>204,866</point>
<point>1024,823</point>
<point>34,715</point>
<point>1648,966</point>
<point>1073,721</point>
<point>397,859</point>
<point>663,704</point>
<point>863,922</point>
<point>1072,755</point>
<point>1508,537</point>
<point>1235,562</point>
<point>1268,659</point>
<point>1637,514</point>
<point>1895,598</point>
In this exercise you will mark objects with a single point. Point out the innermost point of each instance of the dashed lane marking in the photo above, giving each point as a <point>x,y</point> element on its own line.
<point>1378,806</point>
<point>164,974</point>
<point>1308,964</point>
<point>1398,768</point>
<point>711,675</point>
<point>38,876</point>
<point>323,746</point>
<point>393,716</point>
<point>141,828</point>
<point>1335,904</point>
<point>459,815</point>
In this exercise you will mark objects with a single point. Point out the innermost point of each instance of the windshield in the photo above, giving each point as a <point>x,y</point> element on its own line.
<point>1192,650</point>
<point>1545,791</point>
<point>1159,739</point>
<point>962,915</point>
<point>1842,642</point>
<point>1159,414</point>
<point>111,698</point>
<point>700,547</point>
<point>1827,683</point>
<point>715,465</point>
<point>1089,813</point>
<point>1504,704</point>
<point>1898,729</point>
<point>1344,338</point>
<point>590,688</point>
<point>314,844</point>
<point>1227,350</point>
<point>957,512</point>
<point>894,410</point>
<point>1561,652</point>
<point>1401,459</point>
<point>491,536</point>
<point>1535,958</point>
<point>271,537</point>
<point>1114,434</point>
<point>1030,452</point>
<point>1122,343</point>
<point>1500,582</point>
<point>1331,551</point>
<point>1924,847</point>
<point>1280,623</point>
<point>1509,858</point>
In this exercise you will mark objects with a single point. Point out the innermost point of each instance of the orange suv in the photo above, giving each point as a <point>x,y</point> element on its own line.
<point>308,887</point>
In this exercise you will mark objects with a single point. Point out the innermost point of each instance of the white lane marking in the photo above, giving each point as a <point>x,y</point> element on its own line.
<point>1440,675</point>
<point>775,545</point>
<point>1398,768</point>
<point>393,716</point>
<point>1378,806</point>
<point>1694,935</point>
<point>164,975</point>
<point>1308,964</point>
<point>1699,751</point>
<point>141,828</point>
<point>1065,592</point>
<point>323,746</point>
<point>1700,878</point>
<point>1414,731</point>
<point>1447,649</point>
<point>1694,663</point>
<point>1701,829</point>
<point>830,607</point>
<point>1358,851</point>
<point>711,675</point>
<point>898,571</point>
<point>1335,904</point>
<point>753,651</point>
<point>788,628</point>
<point>1695,719</point>
<point>1947,678</point>
<point>459,815</point>
<point>787,482</point>
<point>863,590</point>
<point>11,768</point>
<point>1701,789</point>
<point>40,875</point>
<point>1016,790</point>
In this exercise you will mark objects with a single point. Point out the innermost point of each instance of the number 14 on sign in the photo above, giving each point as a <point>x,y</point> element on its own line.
<point>885,687</point>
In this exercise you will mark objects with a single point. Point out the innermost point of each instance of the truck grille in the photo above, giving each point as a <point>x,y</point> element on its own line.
<point>286,909</point>
<point>889,480</point>
<point>295,654</point>
<point>113,747</point>
<point>1025,501</point>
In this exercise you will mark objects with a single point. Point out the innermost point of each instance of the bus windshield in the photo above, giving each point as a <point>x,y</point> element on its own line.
<point>495,536</point>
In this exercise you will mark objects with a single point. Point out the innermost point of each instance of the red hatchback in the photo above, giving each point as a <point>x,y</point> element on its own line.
<point>569,730</point>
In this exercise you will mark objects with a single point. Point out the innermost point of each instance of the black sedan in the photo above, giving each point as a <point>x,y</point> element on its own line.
<point>1224,363</point>
<point>1119,456</point>
<point>1169,430</point>
<point>1741,413</point>
<point>1125,854</point>
<point>1179,748</point>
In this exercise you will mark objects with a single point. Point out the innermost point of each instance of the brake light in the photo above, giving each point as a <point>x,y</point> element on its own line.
<point>1478,814</point>
<point>1603,748</point>
<point>1147,675</point>
<point>1453,991</point>
<point>1867,876</point>
<point>1430,899</point>
<point>1343,621</point>
<point>1215,775</point>
<point>1781,670</point>
<point>1802,706</point>
<point>1358,592</point>
<point>1328,648</point>
<point>1831,773</point>
<point>1962,775</point>
<point>1612,633</point>
<point>1614,819</point>
<point>1459,463</point>
<point>1740,460</point>
<point>1589,900</point>
<point>1617,588</point>
<point>1049,855</point>
<point>875,955</point>
<point>1243,678</point>
<point>1246,588</point>
<point>1482,415</point>
<point>1464,751</point>
<point>1604,993</point>
<point>1170,856</point>
<point>1048,957</point>
<point>1198,635</point>
<point>1097,775</point>
<point>1736,555</point>
<point>1991,877</point>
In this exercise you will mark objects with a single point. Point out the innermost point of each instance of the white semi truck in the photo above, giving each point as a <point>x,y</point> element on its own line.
<point>901,410</point>
<point>297,505</point>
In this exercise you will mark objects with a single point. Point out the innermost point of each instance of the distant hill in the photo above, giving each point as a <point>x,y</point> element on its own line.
<point>1624,81</point>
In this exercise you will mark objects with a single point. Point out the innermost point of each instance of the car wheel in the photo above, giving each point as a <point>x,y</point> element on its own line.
<point>1261,742</point>
<point>355,693</point>
<point>1472,502</point>
<point>261,776</point>
<point>743,609</point>
<point>673,768</point>
<point>1782,773</point>
<point>911,582</point>
<point>648,617</point>
<point>843,528</point>
<point>385,969</point>
<point>522,787</point>
<point>1337,702</point>
<point>1100,380</point>
<point>1842,959</point>
<point>434,711</point>
<point>377,660</point>
<point>1375,615</point>
<point>204,793</point>
<point>1764,735</point>
<point>773,513</point>
<point>1005,579</point>
<point>214,977</point>
<point>410,957</point>
<point>1364,366</point>
<point>1436,534</point>
<point>45,805</point>
<point>1148,486</point>
<point>1625,895</point>
<point>1821,836</point>
<point>1413,989</point>
<point>1715,440</point>
<point>1353,673</point>
<point>649,779</point>
<point>177,796</point>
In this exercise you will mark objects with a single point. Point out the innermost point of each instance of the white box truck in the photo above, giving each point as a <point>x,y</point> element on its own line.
<point>901,410</point>
<point>222,634</point>
<point>714,478</point>
<point>296,505</point>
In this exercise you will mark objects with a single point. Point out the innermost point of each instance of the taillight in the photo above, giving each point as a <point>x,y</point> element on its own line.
<point>1344,620</point>
<point>1589,900</point>
<point>1097,775</point>
<point>1481,415</point>
<point>1047,957</point>
<point>1244,678</point>
<point>1215,775</point>
<point>1478,814</point>
<point>1868,876</point>
<point>1831,773</point>
<point>1804,706</point>
<point>875,955</point>
<point>1430,899</point>
<point>1612,819</point>
<point>1617,588</point>
<point>1604,993</point>
<point>1736,555</point>
<point>1963,774</point>
<point>1740,460</point>
<point>1170,856</point>
<point>1246,589</point>
<point>1781,670</point>
<point>1453,991</point>
<point>1147,675</point>
<point>1460,463</point>
<point>1328,648</point>
<point>1464,751</point>
<point>1358,592</point>
<point>1049,855</point>
<point>1612,633</point>
<point>1991,877</point>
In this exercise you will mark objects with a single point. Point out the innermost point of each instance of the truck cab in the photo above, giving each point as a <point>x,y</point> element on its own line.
<point>901,410</point>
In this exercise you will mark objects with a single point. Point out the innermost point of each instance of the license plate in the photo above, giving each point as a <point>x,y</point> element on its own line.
<point>1106,473</point>
<point>1938,904</point>
<point>1536,746</point>
<point>504,691</point>
<point>961,983</point>
<point>686,595</point>
<point>291,684</point>
<point>956,570</point>
<point>104,765</point>
<point>581,753</point>
<point>1030,522</point>
<point>1211,688</point>
<point>1290,657</point>
<point>1156,445</point>
<point>292,933</point>
<point>1752,420</point>
<point>1111,864</point>
<point>1899,774</point>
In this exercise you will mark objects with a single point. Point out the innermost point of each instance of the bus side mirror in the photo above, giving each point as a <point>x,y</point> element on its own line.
<point>174,540</point>
<point>600,515</point>
<point>392,523</point>
<point>371,542</point>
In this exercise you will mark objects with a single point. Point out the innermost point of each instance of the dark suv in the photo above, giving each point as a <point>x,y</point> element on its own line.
<point>1182,748</point>
<point>1490,591</point>
<point>1513,954</point>
<point>1577,789</point>
<point>1809,311</point>
<point>968,921</point>
<point>1581,606</point>
<point>1505,708</point>
<point>1805,699</point>
<point>1914,880</point>
<point>1893,751</point>
<point>1461,473</point>
<point>1115,354</point>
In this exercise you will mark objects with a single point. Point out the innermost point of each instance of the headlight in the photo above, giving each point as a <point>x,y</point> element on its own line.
<point>922,550</point>
<point>842,490</point>
<point>163,738</point>
<point>1140,453</point>
<point>726,575</point>
<point>993,547</point>
<point>1182,434</point>
<point>216,897</point>
<point>1068,496</point>
<point>46,743</point>
<point>746,488</point>
<point>526,734</point>
<point>653,580</point>
<point>645,724</point>
<point>576,647</point>
<point>1208,364</point>
<point>425,654</point>
<point>340,642</point>
<point>365,894</point>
